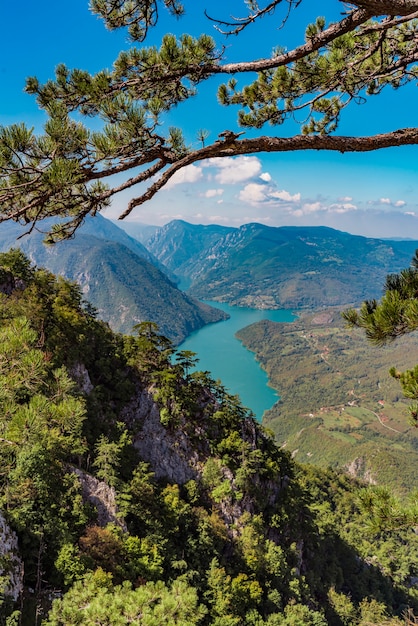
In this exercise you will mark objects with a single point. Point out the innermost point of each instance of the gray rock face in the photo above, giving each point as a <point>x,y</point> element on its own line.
<point>176,453</point>
<point>80,374</point>
<point>169,454</point>
<point>173,457</point>
<point>102,497</point>
<point>11,565</point>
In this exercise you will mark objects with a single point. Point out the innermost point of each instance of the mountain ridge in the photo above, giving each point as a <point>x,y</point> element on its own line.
<point>261,266</point>
<point>118,275</point>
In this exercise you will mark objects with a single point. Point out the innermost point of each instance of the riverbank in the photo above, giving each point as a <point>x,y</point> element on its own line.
<point>227,359</point>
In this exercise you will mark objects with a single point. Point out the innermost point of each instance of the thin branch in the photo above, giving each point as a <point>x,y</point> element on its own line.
<point>143,176</point>
<point>33,225</point>
<point>388,23</point>
<point>320,40</point>
<point>238,24</point>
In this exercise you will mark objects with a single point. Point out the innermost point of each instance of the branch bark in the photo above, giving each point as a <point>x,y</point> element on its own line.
<point>235,147</point>
<point>335,30</point>
<point>387,7</point>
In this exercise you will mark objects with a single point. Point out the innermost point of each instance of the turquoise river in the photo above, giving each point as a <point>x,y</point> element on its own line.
<point>224,356</point>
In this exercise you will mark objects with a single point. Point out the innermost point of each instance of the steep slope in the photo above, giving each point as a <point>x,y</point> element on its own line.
<point>287,267</point>
<point>97,226</point>
<point>184,248</point>
<point>137,230</point>
<point>116,276</point>
<point>103,228</point>
<point>143,494</point>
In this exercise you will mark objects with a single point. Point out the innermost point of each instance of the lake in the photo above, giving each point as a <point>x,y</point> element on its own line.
<point>224,356</point>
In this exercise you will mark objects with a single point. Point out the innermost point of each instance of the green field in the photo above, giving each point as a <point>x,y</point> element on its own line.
<point>339,406</point>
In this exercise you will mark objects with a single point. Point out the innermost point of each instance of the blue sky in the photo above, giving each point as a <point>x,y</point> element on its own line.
<point>373,194</point>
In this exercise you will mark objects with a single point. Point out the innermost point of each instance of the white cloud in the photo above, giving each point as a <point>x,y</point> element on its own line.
<point>345,199</point>
<point>256,193</point>
<point>319,208</point>
<point>169,217</point>
<point>211,193</point>
<point>344,207</point>
<point>216,219</point>
<point>310,207</point>
<point>253,193</point>
<point>285,195</point>
<point>234,169</point>
<point>388,202</point>
<point>188,174</point>
<point>298,213</point>
<point>266,177</point>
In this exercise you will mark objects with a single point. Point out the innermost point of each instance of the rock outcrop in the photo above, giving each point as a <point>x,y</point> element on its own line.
<point>11,565</point>
<point>102,497</point>
<point>169,453</point>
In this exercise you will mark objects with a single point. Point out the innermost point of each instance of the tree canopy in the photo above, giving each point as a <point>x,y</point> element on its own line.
<point>396,314</point>
<point>144,494</point>
<point>108,132</point>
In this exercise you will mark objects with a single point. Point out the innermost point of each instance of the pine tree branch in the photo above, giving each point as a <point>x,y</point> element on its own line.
<point>62,173</point>
<point>237,24</point>
<point>235,147</point>
<point>387,7</point>
<point>317,42</point>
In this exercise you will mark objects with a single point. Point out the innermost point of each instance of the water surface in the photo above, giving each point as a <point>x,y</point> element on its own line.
<point>224,356</point>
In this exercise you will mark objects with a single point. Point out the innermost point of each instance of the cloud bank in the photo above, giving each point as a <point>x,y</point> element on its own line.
<point>248,193</point>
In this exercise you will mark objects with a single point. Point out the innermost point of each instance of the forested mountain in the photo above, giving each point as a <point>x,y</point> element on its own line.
<point>285,267</point>
<point>118,276</point>
<point>101,228</point>
<point>185,248</point>
<point>137,493</point>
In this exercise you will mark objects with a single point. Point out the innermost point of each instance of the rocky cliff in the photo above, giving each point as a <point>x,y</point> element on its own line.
<point>11,565</point>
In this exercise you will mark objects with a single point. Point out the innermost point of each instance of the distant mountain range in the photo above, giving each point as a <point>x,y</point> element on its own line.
<point>184,247</point>
<point>257,266</point>
<point>118,275</point>
<point>137,230</point>
<point>285,267</point>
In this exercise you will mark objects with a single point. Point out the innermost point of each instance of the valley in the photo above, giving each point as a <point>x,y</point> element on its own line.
<point>223,483</point>
<point>339,407</point>
<point>118,276</point>
<point>209,424</point>
<point>130,487</point>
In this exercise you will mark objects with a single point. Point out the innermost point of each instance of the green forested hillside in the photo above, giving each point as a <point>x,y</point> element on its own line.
<point>285,267</point>
<point>143,494</point>
<point>339,406</point>
<point>118,276</point>
<point>186,248</point>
